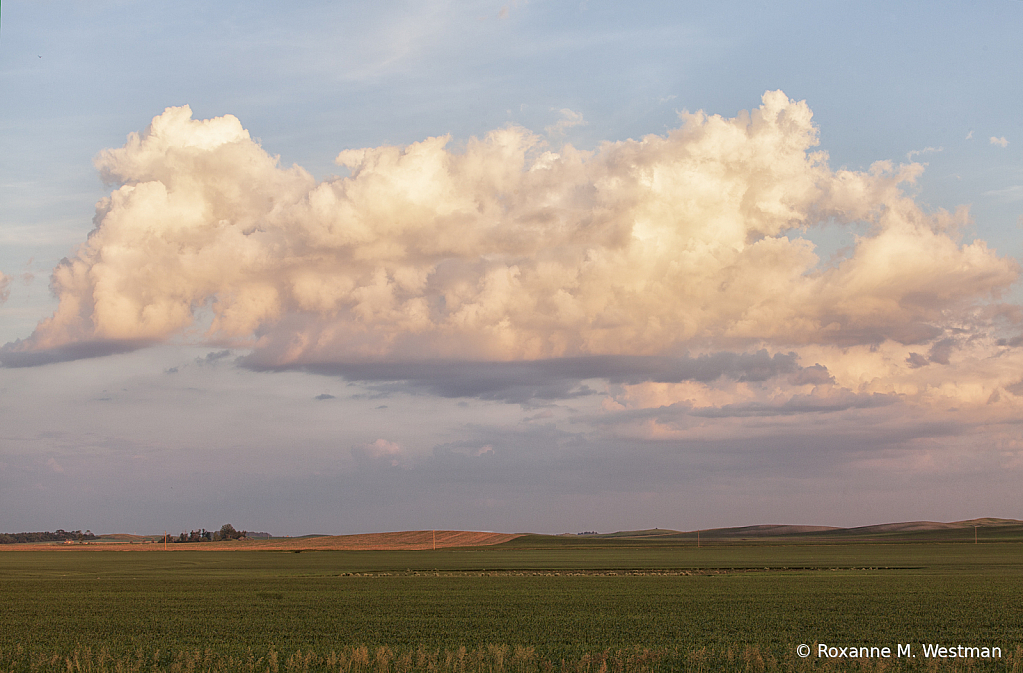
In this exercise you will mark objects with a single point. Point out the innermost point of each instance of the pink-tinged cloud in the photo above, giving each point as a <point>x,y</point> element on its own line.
<point>508,250</point>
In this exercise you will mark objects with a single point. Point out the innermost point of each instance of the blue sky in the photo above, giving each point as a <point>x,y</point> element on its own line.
<point>910,416</point>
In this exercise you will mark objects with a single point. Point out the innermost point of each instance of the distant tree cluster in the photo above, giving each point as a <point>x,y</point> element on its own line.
<point>201,535</point>
<point>59,535</point>
<point>226,532</point>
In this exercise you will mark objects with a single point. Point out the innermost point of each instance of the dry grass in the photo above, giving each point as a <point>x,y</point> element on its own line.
<point>487,659</point>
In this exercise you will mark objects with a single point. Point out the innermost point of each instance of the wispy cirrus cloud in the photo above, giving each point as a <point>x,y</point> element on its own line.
<point>926,150</point>
<point>569,119</point>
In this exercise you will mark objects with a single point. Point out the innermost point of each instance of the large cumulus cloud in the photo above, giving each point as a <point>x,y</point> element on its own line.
<point>506,250</point>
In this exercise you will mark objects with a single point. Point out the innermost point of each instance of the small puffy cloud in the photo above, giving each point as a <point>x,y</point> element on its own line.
<point>324,396</point>
<point>381,451</point>
<point>382,447</point>
<point>504,251</point>
<point>1001,142</point>
<point>5,287</point>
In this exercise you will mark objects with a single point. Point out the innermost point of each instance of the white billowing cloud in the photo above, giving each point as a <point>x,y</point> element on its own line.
<point>507,250</point>
<point>5,287</point>
<point>1001,142</point>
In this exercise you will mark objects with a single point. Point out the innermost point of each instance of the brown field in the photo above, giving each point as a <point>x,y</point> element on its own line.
<point>416,539</point>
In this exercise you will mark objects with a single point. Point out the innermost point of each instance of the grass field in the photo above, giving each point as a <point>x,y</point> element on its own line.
<point>531,604</point>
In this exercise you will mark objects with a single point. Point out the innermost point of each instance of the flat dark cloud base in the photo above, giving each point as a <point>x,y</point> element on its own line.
<point>561,378</point>
<point>12,355</point>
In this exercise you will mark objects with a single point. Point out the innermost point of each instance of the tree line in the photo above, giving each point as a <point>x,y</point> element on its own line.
<point>226,532</point>
<point>59,535</point>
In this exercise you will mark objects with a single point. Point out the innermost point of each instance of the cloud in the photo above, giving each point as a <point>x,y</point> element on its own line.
<point>16,355</point>
<point>941,350</point>
<point>559,379</point>
<point>1009,194</point>
<point>1001,142</point>
<point>814,375</point>
<point>567,121</point>
<point>915,360</point>
<point>800,404</point>
<point>380,452</point>
<point>325,396</point>
<point>213,358</point>
<point>5,287</point>
<point>926,150</point>
<point>504,251</point>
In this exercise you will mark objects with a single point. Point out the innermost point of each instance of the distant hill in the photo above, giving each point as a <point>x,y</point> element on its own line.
<point>986,530</point>
<point>125,537</point>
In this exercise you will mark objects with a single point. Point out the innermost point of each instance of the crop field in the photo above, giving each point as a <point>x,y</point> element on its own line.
<point>532,604</point>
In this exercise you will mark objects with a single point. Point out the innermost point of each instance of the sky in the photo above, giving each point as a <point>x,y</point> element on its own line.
<point>530,266</point>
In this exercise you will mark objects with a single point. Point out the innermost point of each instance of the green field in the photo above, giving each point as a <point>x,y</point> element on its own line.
<point>531,604</point>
